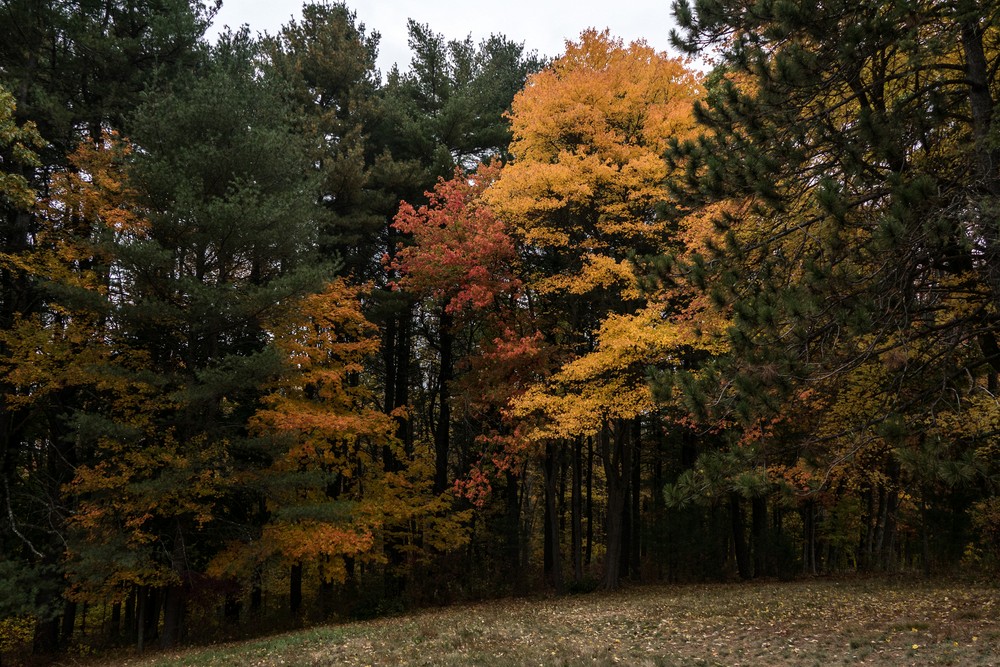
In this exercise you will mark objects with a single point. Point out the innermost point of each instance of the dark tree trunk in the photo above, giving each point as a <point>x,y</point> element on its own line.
<point>588,554</point>
<point>397,359</point>
<point>635,486</point>
<point>887,538</point>
<point>658,530</point>
<point>174,596</point>
<point>149,602</point>
<point>925,535</point>
<point>116,620</point>
<point>760,537</point>
<point>809,537</point>
<point>295,590</point>
<point>153,604</point>
<point>401,397</point>
<point>442,430</point>
<point>326,595</point>
<point>390,335</point>
<point>131,624</point>
<point>980,99</point>
<point>512,527</point>
<point>617,458</point>
<point>866,541</point>
<point>173,616</point>
<point>68,623</point>
<point>46,637</point>
<point>231,609</point>
<point>740,549</point>
<point>551,558</point>
<point>576,511</point>
<point>256,594</point>
<point>142,608</point>
<point>396,341</point>
<point>624,561</point>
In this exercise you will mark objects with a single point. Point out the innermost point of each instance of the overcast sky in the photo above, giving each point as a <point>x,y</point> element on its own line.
<point>542,25</point>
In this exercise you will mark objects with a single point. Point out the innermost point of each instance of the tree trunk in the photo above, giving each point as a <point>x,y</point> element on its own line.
<point>149,603</point>
<point>740,549</point>
<point>401,396</point>
<point>552,559</point>
<point>173,598</point>
<point>442,430</point>
<point>809,538</point>
<point>68,623</point>
<point>231,608</point>
<point>576,511</point>
<point>512,528</point>
<point>295,591</point>
<point>173,616</point>
<point>866,542</point>
<point>588,554</point>
<point>635,486</point>
<point>925,538</point>
<point>760,546</point>
<point>46,637</point>
<point>256,593</point>
<point>131,624</point>
<point>326,598</point>
<point>116,620</point>
<point>888,547</point>
<point>398,369</point>
<point>561,496</point>
<point>617,459</point>
<point>658,529</point>
<point>153,604</point>
<point>980,99</point>
<point>624,565</point>
<point>140,624</point>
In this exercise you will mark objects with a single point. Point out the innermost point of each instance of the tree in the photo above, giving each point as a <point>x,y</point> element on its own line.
<point>451,102</point>
<point>28,589</point>
<point>446,111</point>
<point>328,60</point>
<point>74,69</point>
<point>859,136</point>
<point>585,194</point>
<point>322,432</point>
<point>222,183</point>
<point>460,261</point>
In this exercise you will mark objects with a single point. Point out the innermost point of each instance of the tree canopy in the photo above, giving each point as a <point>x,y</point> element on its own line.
<point>283,339</point>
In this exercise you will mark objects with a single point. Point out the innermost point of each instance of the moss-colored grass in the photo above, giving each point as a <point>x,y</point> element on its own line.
<point>816,622</point>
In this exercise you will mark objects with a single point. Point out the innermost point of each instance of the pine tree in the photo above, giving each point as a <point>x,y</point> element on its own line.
<point>856,138</point>
<point>222,181</point>
<point>75,70</point>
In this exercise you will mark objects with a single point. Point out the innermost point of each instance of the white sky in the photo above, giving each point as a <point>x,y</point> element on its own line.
<point>543,25</point>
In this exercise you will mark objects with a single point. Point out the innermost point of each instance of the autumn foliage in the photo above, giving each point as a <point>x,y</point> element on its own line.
<point>284,340</point>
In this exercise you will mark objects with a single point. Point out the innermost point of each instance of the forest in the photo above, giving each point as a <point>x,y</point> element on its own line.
<point>284,338</point>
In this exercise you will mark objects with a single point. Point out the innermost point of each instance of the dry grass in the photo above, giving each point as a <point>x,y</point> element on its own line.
<point>818,622</point>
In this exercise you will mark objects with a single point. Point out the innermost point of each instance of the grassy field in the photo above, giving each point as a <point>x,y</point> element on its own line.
<point>815,622</point>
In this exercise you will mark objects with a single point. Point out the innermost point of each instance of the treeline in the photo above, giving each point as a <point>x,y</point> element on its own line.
<point>284,339</point>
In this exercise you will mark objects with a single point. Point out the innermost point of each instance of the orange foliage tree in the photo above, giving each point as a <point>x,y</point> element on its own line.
<point>323,434</point>
<point>585,195</point>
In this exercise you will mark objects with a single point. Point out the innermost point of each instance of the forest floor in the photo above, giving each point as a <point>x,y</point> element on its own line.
<point>811,622</point>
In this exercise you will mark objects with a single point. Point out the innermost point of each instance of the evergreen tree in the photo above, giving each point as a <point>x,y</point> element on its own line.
<point>75,70</point>
<point>328,60</point>
<point>222,180</point>
<point>857,139</point>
